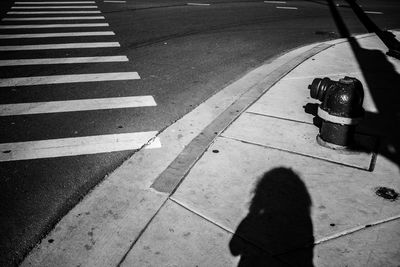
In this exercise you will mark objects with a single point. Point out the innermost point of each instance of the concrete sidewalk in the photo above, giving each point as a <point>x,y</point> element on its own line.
<point>264,193</point>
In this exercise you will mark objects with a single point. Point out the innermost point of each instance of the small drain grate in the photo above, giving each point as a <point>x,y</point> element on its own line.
<point>387,193</point>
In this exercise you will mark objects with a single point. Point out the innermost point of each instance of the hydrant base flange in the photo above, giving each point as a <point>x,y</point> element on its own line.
<point>324,143</point>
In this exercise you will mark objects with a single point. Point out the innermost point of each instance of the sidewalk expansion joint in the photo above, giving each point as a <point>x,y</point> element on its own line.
<point>374,150</point>
<point>295,153</point>
<point>230,232</point>
<point>200,215</point>
<point>356,229</point>
<point>141,233</point>
<point>276,117</point>
<point>309,123</point>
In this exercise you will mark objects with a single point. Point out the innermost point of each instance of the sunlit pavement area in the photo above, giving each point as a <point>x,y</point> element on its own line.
<point>264,189</point>
<point>80,101</point>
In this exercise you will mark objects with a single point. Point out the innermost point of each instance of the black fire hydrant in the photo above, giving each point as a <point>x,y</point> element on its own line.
<point>340,110</point>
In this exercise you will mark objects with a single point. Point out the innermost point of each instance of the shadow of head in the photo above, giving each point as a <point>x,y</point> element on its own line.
<point>277,231</point>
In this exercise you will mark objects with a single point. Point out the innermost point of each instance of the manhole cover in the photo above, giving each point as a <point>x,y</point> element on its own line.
<point>387,193</point>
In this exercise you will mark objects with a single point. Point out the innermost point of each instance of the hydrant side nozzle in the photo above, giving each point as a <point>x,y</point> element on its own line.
<point>319,86</point>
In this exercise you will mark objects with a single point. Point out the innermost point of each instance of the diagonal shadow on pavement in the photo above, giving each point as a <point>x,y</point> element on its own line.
<point>382,80</point>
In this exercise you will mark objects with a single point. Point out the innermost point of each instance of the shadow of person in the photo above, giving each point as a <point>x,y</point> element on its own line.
<point>278,224</point>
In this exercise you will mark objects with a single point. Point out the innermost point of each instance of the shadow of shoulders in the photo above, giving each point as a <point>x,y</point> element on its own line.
<point>278,223</point>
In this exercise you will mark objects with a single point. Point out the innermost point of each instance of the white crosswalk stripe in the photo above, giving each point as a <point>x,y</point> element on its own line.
<point>59,46</point>
<point>71,78</point>
<point>52,12</point>
<point>69,146</point>
<point>54,3</point>
<point>56,34</point>
<point>67,60</point>
<point>51,7</point>
<point>74,146</point>
<point>76,105</point>
<point>54,18</point>
<point>44,26</point>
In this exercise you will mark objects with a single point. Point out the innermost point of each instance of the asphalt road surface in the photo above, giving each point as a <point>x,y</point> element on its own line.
<point>85,85</point>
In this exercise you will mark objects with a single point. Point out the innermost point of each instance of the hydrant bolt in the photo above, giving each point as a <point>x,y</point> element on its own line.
<point>340,110</point>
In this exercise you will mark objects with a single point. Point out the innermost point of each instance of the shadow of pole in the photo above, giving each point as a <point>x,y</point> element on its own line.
<point>278,223</point>
<point>387,37</point>
<point>383,83</point>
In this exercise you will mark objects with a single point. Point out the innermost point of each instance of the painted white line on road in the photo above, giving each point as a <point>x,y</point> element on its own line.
<point>52,12</point>
<point>53,18</point>
<point>55,3</point>
<point>344,5</point>
<point>66,60</point>
<point>55,7</point>
<point>110,1</point>
<point>74,146</point>
<point>50,35</point>
<point>59,46</point>
<point>72,78</point>
<point>197,4</point>
<point>64,25</point>
<point>286,7</point>
<point>76,105</point>
<point>275,2</point>
<point>374,12</point>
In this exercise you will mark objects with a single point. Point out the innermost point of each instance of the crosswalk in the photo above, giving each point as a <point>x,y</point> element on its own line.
<point>45,18</point>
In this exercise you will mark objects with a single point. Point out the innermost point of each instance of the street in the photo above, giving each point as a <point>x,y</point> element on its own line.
<point>85,85</point>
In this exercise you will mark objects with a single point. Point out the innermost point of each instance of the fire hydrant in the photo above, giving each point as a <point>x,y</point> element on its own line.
<point>340,110</point>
